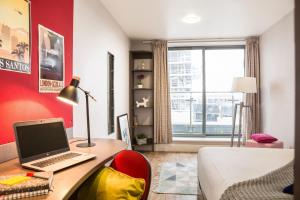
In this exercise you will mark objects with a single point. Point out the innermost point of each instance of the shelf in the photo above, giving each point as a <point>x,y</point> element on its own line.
<point>149,142</point>
<point>141,150</point>
<point>136,145</point>
<point>143,125</point>
<point>142,70</point>
<point>142,107</point>
<point>141,55</point>
<point>142,88</point>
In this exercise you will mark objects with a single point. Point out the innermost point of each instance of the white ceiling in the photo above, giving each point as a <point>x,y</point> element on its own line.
<point>162,19</point>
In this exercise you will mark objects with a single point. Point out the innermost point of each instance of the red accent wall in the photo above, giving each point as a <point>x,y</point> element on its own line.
<point>19,96</point>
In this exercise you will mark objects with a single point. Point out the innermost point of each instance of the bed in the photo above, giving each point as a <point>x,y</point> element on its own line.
<point>221,167</point>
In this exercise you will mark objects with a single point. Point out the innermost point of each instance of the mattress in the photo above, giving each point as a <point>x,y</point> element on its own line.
<point>221,167</point>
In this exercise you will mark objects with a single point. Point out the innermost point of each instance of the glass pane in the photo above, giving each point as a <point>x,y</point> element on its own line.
<point>185,75</point>
<point>222,66</point>
<point>180,112</point>
<point>219,112</point>
<point>197,112</point>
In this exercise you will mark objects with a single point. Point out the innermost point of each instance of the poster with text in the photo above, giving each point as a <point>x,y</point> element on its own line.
<point>51,61</point>
<point>15,36</point>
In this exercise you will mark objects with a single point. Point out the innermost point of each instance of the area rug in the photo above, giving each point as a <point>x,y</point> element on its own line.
<point>177,178</point>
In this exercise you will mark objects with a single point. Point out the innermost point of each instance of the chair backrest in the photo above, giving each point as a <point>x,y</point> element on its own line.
<point>134,164</point>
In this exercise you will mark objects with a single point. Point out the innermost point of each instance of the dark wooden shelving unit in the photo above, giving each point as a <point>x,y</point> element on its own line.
<point>141,62</point>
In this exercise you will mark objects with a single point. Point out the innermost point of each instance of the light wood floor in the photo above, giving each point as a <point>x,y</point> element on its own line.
<point>155,159</point>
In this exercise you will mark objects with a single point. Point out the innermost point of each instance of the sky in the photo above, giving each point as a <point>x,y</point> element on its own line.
<point>221,66</point>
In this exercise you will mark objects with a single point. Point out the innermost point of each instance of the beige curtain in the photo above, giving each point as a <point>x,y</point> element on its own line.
<point>162,109</point>
<point>252,122</point>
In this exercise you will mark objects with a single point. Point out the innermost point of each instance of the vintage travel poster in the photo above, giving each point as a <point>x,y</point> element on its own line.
<point>15,36</point>
<point>51,61</point>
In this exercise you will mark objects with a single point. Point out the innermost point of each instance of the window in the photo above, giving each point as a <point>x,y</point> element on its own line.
<point>200,84</point>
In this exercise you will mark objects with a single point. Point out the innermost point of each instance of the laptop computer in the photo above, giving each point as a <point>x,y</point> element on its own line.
<point>43,145</point>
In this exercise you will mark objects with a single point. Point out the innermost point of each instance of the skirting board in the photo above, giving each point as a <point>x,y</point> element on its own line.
<point>8,151</point>
<point>181,144</point>
<point>176,147</point>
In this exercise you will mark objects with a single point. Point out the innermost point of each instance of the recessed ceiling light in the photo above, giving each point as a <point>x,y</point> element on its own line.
<point>191,19</point>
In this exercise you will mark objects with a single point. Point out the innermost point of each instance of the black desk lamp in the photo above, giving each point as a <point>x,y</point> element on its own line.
<point>69,95</point>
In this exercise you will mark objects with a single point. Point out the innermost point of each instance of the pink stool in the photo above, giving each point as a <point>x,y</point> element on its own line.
<point>252,143</point>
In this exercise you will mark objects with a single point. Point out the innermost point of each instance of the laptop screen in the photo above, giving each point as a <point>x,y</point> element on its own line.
<point>40,139</point>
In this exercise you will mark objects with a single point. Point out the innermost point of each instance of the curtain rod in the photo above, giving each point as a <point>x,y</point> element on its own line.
<point>200,40</point>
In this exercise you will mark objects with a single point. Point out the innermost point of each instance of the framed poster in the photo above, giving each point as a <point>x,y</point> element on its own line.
<point>15,36</point>
<point>51,61</point>
<point>124,129</point>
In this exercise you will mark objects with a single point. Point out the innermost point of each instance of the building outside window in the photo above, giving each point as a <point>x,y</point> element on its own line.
<point>200,85</point>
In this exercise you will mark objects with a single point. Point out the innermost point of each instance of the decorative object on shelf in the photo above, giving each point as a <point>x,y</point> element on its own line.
<point>15,36</point>
<point>140,78</point>
<point>245,85</point>
<point>69,95</point>
<point>51,61</point>
<point>124,129</point>
<point>141,139</point>
<point>135,121</point>
<point>143,65</point>
<point>143,104</point>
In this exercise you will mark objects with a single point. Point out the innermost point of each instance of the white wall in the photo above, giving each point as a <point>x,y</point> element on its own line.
<point>278,81</point>
<point>95,34</point>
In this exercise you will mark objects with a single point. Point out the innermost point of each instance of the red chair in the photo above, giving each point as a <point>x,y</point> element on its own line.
<point>134,164</point>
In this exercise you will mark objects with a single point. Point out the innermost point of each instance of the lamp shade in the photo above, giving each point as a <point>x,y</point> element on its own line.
<point>244,84</point>
<point>69,93</point>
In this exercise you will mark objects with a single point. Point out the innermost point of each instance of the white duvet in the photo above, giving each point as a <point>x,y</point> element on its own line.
<point>220,167</point>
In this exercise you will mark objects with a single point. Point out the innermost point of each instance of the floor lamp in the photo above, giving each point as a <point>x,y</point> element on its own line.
<point>246,85</point>
<point>69,95</point>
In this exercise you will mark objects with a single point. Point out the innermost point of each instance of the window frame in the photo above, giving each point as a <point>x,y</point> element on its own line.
<point>204,48</point>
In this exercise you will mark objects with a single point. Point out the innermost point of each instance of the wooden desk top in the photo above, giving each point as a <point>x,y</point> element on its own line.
<point>66,181</point>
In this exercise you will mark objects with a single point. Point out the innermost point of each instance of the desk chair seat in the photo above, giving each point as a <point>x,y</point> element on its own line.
<point>134,164</point>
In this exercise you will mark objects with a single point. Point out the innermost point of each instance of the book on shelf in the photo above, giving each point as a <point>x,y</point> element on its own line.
<point>21,185</point>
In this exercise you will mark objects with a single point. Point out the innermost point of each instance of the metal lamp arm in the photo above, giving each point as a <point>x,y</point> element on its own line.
<point>87,93</point>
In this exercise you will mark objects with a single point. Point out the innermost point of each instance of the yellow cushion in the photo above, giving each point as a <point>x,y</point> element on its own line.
<point>109,184</point>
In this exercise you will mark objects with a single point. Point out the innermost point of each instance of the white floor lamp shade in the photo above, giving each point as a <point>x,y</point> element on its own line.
<point>244,85</point>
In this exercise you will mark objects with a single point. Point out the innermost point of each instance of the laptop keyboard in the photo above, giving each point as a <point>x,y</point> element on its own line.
<point>55,160</point>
